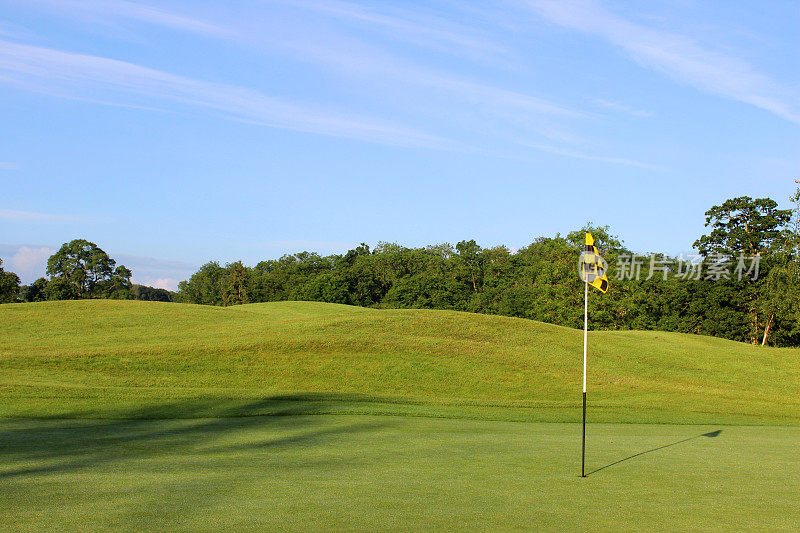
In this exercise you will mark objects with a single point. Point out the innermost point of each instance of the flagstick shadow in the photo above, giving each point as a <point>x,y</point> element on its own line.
<point>710,434</point>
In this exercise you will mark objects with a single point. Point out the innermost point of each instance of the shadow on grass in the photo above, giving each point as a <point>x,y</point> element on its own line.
<point>49,446</point>
<point>710,434</point>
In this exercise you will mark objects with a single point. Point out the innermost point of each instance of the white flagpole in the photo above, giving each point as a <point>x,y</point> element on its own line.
<point>585,330</point>
<point>585,338</point>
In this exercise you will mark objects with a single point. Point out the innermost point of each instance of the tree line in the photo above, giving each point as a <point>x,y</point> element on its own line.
<point>758,303</point>
<point>79,269</point>
<point>743,284</point>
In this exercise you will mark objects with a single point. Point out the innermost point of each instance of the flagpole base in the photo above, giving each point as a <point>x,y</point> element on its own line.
<point>583,440</point>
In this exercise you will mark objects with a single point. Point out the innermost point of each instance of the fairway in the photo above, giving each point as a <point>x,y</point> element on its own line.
<point>369,472</point>
<point>129,359</point>
<point>307,416</point>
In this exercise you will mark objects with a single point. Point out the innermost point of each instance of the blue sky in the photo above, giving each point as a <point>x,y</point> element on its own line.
<point>172,133</point>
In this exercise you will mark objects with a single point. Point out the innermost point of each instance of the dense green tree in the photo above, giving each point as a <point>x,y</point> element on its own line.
<point>118,286</point>
<point>471,262</point>
<point>205,286</point>
<point>90,270</point>
<point>35,292</point>
<point>779,299</point>
<point>9,285</point>
<point>743,226</point>
<point>610,245</point>
<point>236,284</point>
<point>61,289</point>
<point>152,294</point>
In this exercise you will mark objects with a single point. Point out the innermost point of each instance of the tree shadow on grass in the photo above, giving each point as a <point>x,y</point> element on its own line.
<point>51,446</point>
<point>710,434</point>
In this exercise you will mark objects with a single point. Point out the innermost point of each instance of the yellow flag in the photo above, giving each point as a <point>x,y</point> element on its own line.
<point>593,267</point>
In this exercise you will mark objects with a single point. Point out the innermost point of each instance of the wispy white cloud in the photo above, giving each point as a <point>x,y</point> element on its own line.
<point>5,165</point>
<point>340,53</point>
<point>402,24</point>
<point>384,66</point>
<point>67,74</point>
<point>411,27</point>
<point>485,109</point>
<point>622,108</point>
<point>566,152</point>
<point>27,216</point>
<point>676,55</point>
<point>136,11</point>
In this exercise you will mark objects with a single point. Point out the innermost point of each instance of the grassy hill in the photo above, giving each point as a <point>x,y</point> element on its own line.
<point>128,359</point>
<point>152,436</point>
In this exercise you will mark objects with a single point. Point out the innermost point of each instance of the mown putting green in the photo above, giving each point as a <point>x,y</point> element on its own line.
<point>136,415</point>
<point>375,473</point>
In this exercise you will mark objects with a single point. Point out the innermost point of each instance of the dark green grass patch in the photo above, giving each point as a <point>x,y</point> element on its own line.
<point>308,472</point>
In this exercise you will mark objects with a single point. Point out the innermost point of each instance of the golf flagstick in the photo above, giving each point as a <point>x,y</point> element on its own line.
<point>593,272</point>
<point>585,338</point>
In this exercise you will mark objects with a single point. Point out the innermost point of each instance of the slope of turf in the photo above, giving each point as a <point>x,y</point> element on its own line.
<point>372,473</point>
<point>143,359</point>
<point>158,438</point>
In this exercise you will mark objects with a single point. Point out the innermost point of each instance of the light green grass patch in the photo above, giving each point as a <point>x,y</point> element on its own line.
<point>393,473</point>
<point>100,358</point>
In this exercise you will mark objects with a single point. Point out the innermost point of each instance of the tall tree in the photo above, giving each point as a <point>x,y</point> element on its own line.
<point>9,285</point>
<point>780,298</point>
<point>236,283</point>
<point>85,265</point>
<point>743,226</point>
<point>470,255</point>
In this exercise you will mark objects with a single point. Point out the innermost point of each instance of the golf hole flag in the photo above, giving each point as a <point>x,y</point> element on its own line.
<point>593,272</point>
<point>593,267</point>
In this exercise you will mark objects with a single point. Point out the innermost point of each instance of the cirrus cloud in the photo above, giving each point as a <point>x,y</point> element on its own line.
<point>677,56</point>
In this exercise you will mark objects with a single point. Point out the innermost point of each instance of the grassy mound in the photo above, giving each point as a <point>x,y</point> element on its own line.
<point>121,359</point>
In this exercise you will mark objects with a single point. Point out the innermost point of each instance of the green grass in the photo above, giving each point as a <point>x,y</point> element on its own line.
<point>377,473</point>
<point>149,416</point>
<point>142,359</point>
